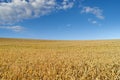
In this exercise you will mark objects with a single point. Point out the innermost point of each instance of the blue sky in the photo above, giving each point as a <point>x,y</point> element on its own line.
<point>60,19</point>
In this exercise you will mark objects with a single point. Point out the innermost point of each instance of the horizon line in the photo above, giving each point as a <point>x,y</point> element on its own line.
<point>58,39</point>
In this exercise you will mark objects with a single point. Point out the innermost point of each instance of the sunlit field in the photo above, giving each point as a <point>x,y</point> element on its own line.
<point>22,59</point>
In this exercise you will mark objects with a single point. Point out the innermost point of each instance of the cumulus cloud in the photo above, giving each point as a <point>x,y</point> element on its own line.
<point>17,10</point>
<point>66,4</point>
<point>13,28</point>
<point>93,10</point>
<point>12,11</point>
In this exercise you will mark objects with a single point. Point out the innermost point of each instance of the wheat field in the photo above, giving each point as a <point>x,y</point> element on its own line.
<point>22,59</point>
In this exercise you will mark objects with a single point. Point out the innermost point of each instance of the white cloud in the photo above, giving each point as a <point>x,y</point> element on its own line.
<point>13,28</point>
<point>92,21</point>
<point>14,11</point>
<point>18,10</point>
<point>93,10</point>
<point>95,22</point>
<point>66,4</point>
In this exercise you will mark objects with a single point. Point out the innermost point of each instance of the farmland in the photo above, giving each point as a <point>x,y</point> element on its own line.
<point>22,59</point>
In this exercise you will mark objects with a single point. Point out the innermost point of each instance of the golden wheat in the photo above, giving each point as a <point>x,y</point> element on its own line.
<point>22,59</point>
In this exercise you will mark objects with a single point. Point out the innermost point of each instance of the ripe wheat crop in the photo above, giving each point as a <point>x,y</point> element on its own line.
<point>22,59</point>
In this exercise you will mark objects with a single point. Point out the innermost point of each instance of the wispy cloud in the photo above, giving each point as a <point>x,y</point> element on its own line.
<point>95,22</point>
<point>12,11</point>
<point>13,28</point>
<point>92,21</point>
<point>68,25</point>
<point>93,10</point>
